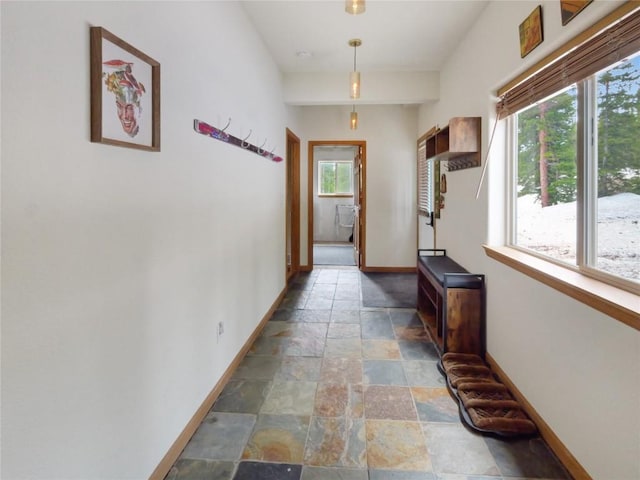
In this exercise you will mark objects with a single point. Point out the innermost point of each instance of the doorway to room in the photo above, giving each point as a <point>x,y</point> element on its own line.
<point>336,203</point>
<point>292,260</point>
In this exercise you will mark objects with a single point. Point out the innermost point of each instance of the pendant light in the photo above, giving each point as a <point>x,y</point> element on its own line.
<point>354,77</point>
<point>354,7</point>
<point>354,119</point>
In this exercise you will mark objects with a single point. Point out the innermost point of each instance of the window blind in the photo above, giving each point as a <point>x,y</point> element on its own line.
<point>424,184</point>
<point>605,48</point>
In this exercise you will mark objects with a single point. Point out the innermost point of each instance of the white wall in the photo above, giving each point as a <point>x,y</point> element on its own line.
<point>578,367</point>
<point>322,88</point>
<point>118,264</point>
<point>391,176</point>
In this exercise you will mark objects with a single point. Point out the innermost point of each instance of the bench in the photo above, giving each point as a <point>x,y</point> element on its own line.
<point>451,303</point>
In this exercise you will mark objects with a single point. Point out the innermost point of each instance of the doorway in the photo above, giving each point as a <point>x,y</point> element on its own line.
<point>336,206</point>
<point>292,260</point>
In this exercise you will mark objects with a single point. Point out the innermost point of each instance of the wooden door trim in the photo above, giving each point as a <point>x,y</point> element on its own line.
<point>363,207</point>
<point>294,140</point>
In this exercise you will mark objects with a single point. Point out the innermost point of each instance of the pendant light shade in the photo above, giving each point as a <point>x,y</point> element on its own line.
<point>354,119</point>
<point>354,7</point>
<point>354,77</point>
<point>354,81</point>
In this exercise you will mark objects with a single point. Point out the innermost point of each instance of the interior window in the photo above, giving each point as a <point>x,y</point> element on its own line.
<point>335,177</point>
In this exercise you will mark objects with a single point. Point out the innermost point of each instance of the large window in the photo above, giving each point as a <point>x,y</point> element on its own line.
<point>335,177</point>
<point>576,173</point>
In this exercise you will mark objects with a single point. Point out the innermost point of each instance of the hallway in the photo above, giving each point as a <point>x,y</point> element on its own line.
<point>335,391</point>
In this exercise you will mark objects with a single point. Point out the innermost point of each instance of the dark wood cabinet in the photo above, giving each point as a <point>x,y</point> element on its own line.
<point>458,143</point>
<point>451,303</point>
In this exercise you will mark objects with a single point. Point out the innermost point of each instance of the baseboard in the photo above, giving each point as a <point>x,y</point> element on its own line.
<point>572,465</point>
<point>388,269</point>
<point>178,446</point>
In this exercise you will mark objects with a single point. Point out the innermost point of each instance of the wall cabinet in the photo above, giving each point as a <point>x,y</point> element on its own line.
<point>458,143</point>
<point>451,303</point>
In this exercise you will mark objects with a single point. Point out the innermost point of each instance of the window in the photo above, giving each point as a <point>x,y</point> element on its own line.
<point>576,158</point>
<point>428,180</point>
<point>425,180</point>
<point>335,177</point>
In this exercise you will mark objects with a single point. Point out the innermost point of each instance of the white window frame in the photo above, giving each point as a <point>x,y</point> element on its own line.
<point>586,185</point>
<point>336,194</point>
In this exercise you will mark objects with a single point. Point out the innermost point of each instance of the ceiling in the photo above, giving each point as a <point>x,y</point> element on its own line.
<point>305,36</point>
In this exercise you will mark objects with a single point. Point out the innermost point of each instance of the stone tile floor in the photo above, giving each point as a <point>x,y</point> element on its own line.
<point>335,391</point>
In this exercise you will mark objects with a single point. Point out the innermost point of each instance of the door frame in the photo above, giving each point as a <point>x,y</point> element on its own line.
<point>362,144</point>
<point>292,204</point>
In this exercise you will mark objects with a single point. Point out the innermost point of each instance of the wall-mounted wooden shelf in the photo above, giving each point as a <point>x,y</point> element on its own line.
<point>458,143</point>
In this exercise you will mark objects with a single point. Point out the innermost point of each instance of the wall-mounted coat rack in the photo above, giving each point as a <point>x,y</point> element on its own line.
<point>218,134</point>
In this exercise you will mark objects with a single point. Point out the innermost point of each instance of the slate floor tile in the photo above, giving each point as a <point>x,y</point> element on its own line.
<point>413,333</point>
<point>388,402</point>
<point>345,316</point>
<point>336,442</point>
<point>221,436</point>
<point>447,440</point>
<point>299,368</point>
<point>267,471</point>
<point>377,328</point>
<point>316,316</point>
<point>332,473</point>
<point>383,372</point>
<point>286,315</point>
<point>242,396</point>
<point>277,438</point>
<point>343,347</point>
<point>393,445</point>
<point>258,368</point>
<point>305,347</point>
<point>187,469</point>
<point>380,350</point>
<point>290,398</point>
<point>269,346</point>
<point>423,373</point>
<point>401,317</point>
<point>339,400</point>
<point>435,405</point>
<point>341,370</point>
<point>341,304</point>
<point>529,458</point>
<point>411,350</point>
<point>402,475</point>
<point>343,330</point>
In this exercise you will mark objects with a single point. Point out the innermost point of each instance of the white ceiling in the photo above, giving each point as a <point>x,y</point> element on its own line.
<point>409,36</point>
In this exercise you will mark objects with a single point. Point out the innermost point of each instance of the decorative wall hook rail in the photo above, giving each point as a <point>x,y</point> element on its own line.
<point>206,129</point>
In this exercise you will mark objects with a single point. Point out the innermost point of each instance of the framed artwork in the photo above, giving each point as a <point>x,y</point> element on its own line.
<point>571,8</point>
<point>531,32</point>
<point>125,94</point>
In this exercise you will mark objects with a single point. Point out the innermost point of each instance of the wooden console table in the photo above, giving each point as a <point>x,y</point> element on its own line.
<point>451,303</point>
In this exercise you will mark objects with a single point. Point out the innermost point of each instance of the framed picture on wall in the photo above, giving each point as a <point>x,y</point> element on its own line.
<point>125,93</point>
<point>531,32</point>
<point>571,8</point>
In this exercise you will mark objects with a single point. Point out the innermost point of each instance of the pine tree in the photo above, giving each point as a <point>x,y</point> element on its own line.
<point>547,156</point>
<point>619,130</point>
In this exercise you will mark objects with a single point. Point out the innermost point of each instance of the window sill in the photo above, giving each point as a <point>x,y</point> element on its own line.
<point>337,195</point>
<point>617,303</point>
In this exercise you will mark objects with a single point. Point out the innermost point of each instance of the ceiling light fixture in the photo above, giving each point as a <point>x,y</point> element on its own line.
<point>354,77</point>
<point>354,119</point>
<point>354,7</point>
